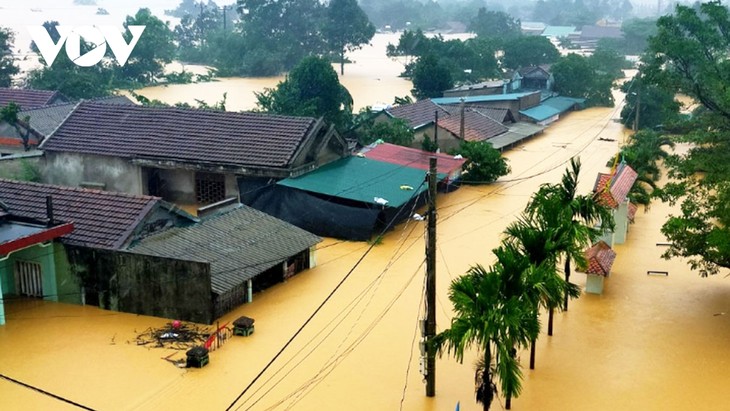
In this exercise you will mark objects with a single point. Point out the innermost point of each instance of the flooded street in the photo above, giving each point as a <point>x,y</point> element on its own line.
<point>647,343</point>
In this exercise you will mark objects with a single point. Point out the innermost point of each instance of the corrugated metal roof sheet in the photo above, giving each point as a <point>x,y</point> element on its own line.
<point>552,106</point>
<point>558,31</point>
<point>481,99</point>
<point>412,157</point>
<point>362,179</point>
<point>239,245</point>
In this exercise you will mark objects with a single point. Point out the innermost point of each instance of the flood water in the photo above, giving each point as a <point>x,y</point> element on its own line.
<point>371,78</point>
<point>647,343</point>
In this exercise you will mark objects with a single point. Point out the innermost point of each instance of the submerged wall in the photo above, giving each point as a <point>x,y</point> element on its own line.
<point>141,284</point>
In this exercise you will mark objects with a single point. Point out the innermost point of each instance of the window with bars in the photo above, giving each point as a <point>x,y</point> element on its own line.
<point>209,188</point>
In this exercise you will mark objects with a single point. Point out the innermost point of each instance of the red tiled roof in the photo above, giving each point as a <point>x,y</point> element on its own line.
<point>27,98</point>
<point>413,157</point>
<point>477,126</point>
<point>101,219</point>
<point>419,113</point>
<point>600,259</point>
<point>622,182</point>
<point>601,188</point>
<point>632,211</point>
<point>186,135</point>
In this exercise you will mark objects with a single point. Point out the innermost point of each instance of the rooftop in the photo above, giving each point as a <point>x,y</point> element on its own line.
<point>481,99</point>
<point>417,114</point>
<point>477,126</point>
<point>600,259</point>
<point>238,244</point>
<point>551,107</point>
<point>27,98</point>
<point>412,157</point>
<point>101,219</point>
<point>185,135</point>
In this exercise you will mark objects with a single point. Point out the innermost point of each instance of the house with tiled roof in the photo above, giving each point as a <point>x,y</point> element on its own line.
<point>34,241</point>
<point>28,98</point>
<point>104,223</point>
<point>190,157</point>
<point>612,191</point>
<point>599,260</point>
<point>476,127</point>
<point>246,251</point>
<point>532,78</point>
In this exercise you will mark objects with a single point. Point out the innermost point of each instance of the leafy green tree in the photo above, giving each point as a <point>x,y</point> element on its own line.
<point>154,49</point>
<point>485,164</point>
<point>430,77</point>
<point>9,115</point>
<point>657,106</point>
<point>395,131</point>
<point>346,28</point>
<point>529,51</point>
<point>7,64</point>
<point>278,34</point>
<point>608,61</point>
<point>496,24</point>
<point>643,153</point>
<point>311,89</point>
<point>577,76</point>
<point>73,81</point>
<point>689,55</point>
<point>636,33</point>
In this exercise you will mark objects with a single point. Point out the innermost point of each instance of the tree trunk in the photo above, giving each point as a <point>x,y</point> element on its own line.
<point>551,313</point>
<point>567,280</point>
<point>342,62</point>
<point>508,402</point>
<point>532,355</point>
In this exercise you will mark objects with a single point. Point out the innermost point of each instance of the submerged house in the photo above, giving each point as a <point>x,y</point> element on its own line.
<point>244,249</point>
<point>190,157</point>
<point>599,261</point>
<point>612,191</point>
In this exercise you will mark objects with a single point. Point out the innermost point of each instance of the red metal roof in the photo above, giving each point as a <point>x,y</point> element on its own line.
<point>413,157</point>
<point>600,259</point>
<point>35,238</point>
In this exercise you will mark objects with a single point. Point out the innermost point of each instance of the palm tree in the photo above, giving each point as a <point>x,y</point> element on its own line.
<point>581,217</point>
<point>541,244</point>
<point>494,312</point>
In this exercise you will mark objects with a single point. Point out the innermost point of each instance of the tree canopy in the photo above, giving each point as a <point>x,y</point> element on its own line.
<point>689,55</point>
<point>346,28</point>
<point>313,89</point>
<point>430,77</point>
<point>494,24</point>
<point>526,51</point>
<point>577,76</point>
<point>154,49</point>
<point>8,68</point>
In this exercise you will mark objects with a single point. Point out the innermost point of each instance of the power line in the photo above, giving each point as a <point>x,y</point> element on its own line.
<point>316,311</point>
<point>44,392</point>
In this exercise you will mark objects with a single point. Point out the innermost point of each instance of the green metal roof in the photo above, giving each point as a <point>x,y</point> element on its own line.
<point>364,180</point>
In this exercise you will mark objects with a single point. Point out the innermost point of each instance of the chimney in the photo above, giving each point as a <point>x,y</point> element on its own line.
<point>49,211</point>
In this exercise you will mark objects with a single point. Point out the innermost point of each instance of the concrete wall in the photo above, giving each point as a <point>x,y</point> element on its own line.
<point>68,284</point>
<point>147,285</point>
<point>71,169</point>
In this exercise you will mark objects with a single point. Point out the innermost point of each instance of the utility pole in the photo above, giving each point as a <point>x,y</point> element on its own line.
<point>436,130</point>
<point>461,128</point>
<point>638,108</point>
<point>431,282</point>
<point>224,18</point>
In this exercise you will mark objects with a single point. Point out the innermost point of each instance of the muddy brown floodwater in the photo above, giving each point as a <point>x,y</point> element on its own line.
<point>647,343</point>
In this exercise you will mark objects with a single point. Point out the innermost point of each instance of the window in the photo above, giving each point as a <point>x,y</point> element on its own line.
<point>209,188</point>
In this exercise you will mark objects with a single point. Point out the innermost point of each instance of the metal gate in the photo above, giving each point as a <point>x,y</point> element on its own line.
<point>28,279</point>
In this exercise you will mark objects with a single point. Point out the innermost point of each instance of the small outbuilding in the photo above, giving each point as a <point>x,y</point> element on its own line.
<point>599,259</point>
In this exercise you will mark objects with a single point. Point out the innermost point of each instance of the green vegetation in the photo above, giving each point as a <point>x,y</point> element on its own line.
<point>311,89</point>
<point>580,12</point>
<point>485,164</point>
<point>430,77</point>
<point>643,154</point>
<point>656,106</point>
<point>689,55</point>
<point>154,49</point>
<point>495,24</point>
<point>395,131</point>
<point>346,28</point>
<point>578,76</point>
<point>497,309</point>
<point>7,65</point>
<point>529,51</point>
<point>9,115</point>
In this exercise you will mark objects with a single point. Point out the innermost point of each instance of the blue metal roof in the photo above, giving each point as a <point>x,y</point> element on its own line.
<point>552,106</point>
<point>480,99</point>
<point>558,31</point>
